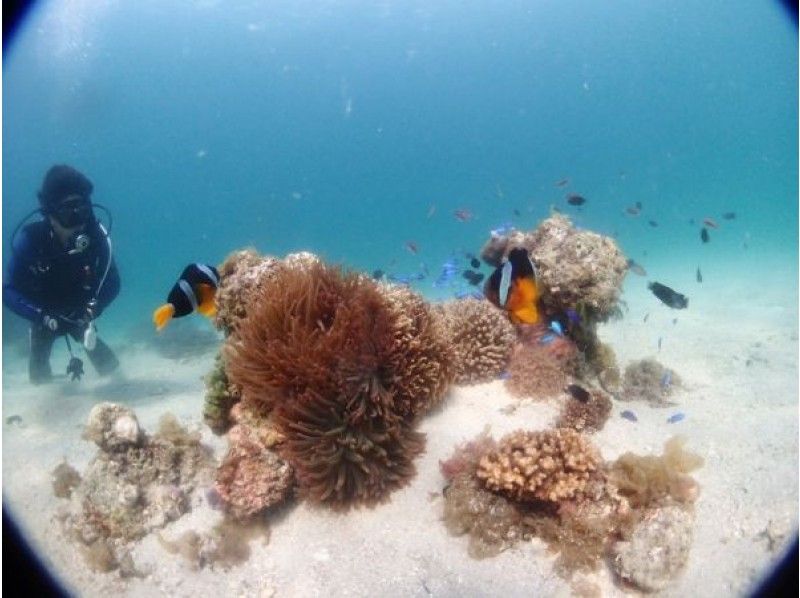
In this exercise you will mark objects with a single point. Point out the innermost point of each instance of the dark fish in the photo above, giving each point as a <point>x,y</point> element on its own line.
<point>652,223</point>
<point>517,213</point>
<point>647,315</point>
<point>659,343</point>
<point>629,415</point>
<point>639,205</point>
<point>194,291</point>
<point>674,321</point>
<point>575,200</point>
<point>729,216</point>
<point>633,210</point>
<point>378,274</point>
<point>562,183</point>
<point>704,235</point>
<point>669,297</point>
<point>474,278</point>
<point>675,417</point>
<point>573,316</point>
<point>13,419</point>
<point>475,263</point>
<point>579,393</point>
<point>412,247</point>
<point>710,223</point>
<point>699,275</point>
<point>636,268</point>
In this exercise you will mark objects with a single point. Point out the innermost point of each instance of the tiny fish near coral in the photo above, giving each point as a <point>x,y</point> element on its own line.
<point>676,417</point>
<point>629,415</point>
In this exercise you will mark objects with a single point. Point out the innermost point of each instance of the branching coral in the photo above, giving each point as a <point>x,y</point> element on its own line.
<point>589,416</point>
<point>343,366</point>
<point>481,338</point>
<point>648,380</point>
<point>552,465</point>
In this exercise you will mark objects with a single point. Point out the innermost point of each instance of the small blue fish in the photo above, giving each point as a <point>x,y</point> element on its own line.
<point>547,339</point>
<point>629,415</point>
<point>504,376</point>
<point>659,343</point>
<point>449,270</point>
<point>573,316</point>
<point>675,418</point>
<point>666,380</point>
<point>555,326</point>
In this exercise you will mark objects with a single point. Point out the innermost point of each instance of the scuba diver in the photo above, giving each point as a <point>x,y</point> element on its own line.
<point>62,275</point>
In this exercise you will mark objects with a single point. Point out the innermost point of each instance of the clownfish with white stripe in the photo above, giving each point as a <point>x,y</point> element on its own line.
<point>512,286</point>
<point>194,291</point>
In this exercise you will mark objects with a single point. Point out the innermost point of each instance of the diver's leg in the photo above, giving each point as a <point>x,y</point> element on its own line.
<point>39,361</point>
<point>103,358</point>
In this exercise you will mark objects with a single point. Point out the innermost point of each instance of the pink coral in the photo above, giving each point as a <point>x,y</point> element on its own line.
<point>252,479</point>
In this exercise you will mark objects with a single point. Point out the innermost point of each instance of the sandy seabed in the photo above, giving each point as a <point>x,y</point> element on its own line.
<point>738,361</point>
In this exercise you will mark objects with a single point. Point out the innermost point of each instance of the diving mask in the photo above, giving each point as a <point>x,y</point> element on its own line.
<point>73,211</point>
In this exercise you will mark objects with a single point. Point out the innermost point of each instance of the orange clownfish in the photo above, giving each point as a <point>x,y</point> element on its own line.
<point>512,286</point>
<point>194,291</point>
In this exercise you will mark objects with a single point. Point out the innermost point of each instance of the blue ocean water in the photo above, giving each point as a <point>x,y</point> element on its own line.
<point>360,130</point>
<point>351,128</point>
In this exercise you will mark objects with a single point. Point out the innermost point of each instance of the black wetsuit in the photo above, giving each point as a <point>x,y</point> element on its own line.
<point>45,280</point>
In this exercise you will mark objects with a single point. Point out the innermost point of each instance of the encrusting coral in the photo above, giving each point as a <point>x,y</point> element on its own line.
<point>551,465</point>
<point>251,479</point>
<point>135,484</point>
<point>648,380</point>
<point>588,416</point>
<point>541,362</point>
<point>481,337</point>
<point>343,366</point>
<point>221,396</point>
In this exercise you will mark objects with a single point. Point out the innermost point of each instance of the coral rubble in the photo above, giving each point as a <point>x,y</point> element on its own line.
<point>481,338</point>
<point>648,380</point>
<point>135,484</point>
<point>554,485</point>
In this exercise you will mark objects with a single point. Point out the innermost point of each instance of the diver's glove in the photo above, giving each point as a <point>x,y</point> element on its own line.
<point>75,369</point>
<point>50,323</point>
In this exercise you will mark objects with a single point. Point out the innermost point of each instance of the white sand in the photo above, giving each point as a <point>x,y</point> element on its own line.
<point>741,418</point>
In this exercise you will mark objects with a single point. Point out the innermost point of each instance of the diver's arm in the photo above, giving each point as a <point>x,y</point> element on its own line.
<point>18,275</point>
<point>109,290</point>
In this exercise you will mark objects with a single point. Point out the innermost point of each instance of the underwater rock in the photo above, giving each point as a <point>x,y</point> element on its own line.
<point>657,549</point>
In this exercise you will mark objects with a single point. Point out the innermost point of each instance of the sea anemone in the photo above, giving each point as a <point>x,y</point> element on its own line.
<point>344,366</point>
